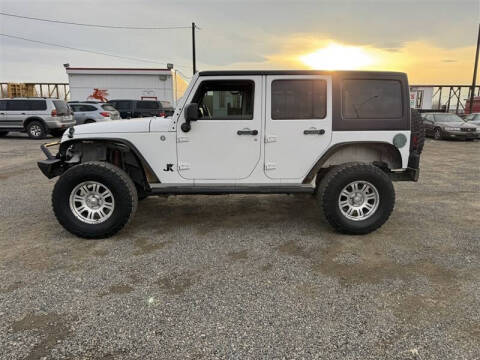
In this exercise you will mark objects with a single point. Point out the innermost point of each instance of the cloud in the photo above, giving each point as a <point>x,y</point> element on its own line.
<point>235,34</point>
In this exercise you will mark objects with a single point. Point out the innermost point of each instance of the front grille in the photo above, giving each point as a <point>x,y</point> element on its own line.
<point>468,129</point>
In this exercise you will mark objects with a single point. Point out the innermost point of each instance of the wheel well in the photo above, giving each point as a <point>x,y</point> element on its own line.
<point>119,153</point>
<point>30,119</point>
<point>384,155</point>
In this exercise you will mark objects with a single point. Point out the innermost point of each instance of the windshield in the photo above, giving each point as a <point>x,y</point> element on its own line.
<point>448,118</point>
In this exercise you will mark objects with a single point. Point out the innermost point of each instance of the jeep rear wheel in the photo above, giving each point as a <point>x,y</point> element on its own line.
<point>94,200</point>
<point>356,198</point>
<point>36,130</point>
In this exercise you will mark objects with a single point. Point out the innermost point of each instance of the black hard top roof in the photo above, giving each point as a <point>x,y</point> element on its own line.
<point>292,72</point>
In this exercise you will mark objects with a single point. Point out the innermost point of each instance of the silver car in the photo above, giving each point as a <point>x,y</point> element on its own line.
<point>473,119</point>
<point>90,112</point>
<point>36,116</point>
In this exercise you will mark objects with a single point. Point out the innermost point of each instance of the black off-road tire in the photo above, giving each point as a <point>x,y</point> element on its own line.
<point>418,132</point>
<point>3,133</point>
<point>36,130</point>
<point>340,176</point>
<point>119,183</point>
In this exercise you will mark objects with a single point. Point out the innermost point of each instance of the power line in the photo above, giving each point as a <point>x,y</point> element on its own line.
<point>95,25</point>
<point>83,50</point>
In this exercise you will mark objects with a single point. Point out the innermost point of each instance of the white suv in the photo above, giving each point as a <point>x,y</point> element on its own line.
<point>343,136</point>
<point>36,116</point>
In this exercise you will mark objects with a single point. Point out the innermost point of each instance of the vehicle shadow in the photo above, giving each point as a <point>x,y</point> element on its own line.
<point>22,136</point>
<point>204,214</point>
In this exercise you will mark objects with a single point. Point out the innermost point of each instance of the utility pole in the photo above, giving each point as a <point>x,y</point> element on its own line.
<point>474,82</point>
<point>194,51</point>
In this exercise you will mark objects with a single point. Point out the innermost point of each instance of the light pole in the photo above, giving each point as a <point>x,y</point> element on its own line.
<point>474,81</point>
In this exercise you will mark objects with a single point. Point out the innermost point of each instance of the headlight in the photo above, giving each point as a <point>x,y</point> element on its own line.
<point>448,128</point>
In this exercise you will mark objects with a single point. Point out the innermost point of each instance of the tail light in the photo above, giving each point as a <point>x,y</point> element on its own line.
<point>161,114</point>
<point>105,114</point>
<point>54,112</point>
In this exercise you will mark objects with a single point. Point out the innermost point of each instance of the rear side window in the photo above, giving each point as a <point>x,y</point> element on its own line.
<point>372,99</point>
<point>62,107</point>
<point>122,105</point>
<point>17,105</point>
<point>87,108</point>
<point>299,99</point>
<point>107,107</point>
<point>150,105</point>
<point>37,104</point>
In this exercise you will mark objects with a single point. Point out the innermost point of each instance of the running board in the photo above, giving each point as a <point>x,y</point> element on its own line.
<point>223,190</point>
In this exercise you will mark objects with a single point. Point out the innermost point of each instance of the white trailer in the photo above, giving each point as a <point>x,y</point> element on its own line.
<point>421,97</point>
<point>125,83</point>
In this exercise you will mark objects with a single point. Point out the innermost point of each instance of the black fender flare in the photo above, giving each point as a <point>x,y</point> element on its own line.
<point>142,161</point>
<point>318,165</point>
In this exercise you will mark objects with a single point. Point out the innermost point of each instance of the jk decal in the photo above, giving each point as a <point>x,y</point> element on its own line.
<point>169,167</point>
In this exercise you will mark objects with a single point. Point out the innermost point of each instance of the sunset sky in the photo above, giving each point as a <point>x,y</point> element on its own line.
<point>433,41</point>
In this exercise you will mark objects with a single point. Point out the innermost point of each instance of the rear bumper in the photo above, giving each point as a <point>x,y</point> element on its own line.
<point>57,124</point>
<point>411,173</point>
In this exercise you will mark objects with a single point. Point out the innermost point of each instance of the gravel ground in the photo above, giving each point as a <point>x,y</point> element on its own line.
<point>244,276</point>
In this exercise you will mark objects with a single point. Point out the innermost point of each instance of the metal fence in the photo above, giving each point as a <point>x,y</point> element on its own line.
<point>449,98</point>
<point>49,90</point>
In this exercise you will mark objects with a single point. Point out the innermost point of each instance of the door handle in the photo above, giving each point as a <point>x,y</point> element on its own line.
<point>247,132</point>
<point>313,132</point>
<point>23,114</point>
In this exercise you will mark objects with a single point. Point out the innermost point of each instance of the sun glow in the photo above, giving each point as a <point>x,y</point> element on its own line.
<point>338,57</point>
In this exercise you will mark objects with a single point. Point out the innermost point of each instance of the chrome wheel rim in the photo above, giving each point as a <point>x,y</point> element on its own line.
<point>437,134</point>
<point>92,202</point>
<point>35,130</point>
<point>358,200</point>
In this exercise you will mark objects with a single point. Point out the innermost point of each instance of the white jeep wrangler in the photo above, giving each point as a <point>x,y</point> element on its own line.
<point>343,136</point>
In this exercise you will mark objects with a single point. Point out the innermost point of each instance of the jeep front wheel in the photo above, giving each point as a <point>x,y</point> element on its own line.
<point>356,198</point>
<point>94,200</point>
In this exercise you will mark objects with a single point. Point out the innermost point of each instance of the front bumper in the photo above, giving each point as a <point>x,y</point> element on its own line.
<point>462,135</point>
<point>52,166</point>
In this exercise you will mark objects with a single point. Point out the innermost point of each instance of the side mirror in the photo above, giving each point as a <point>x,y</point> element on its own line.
<point>191,114</point>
